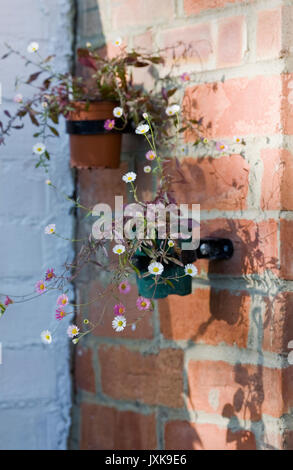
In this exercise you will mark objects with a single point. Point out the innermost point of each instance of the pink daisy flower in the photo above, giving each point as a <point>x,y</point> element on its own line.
<point>221,146</point>
<point>109,124</point>
<point>60,313</point>
<point>50,274</point>
<point>150,155</point>
<point>62,300</point>
<point>124,287</point>
<point>185,77</point>
<point>119,309</point>
<point>8,301</point>
<point>143,304</point>
<point>40,287</point>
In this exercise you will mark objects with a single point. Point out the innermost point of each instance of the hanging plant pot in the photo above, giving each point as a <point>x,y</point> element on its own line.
<point>147,286</point>
<point>91,145</point>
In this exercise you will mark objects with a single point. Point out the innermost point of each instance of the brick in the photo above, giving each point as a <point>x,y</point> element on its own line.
<point>287,103</point>
<point>96,186</point>
<point>286,246</point>
<point>84,369</point>
<point>220,183</point>
<point>193,7</point>
<point>278,323</point>
<point>255,245</point>
<point>138,12</point>
<point>144,327</point>
<point>208,316</point>
<point>182,435</point>
<point>269,33</point>
<point>277,179</point>
<point>239,391</point>
<point>155,379</point>
<point>230,44</point>
<point>143,75</point>
<point>239,106</point>
<point>104,428</point>
<point>194,44</point>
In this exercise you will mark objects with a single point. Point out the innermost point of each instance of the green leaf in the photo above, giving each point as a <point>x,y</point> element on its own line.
<point>54,131</point>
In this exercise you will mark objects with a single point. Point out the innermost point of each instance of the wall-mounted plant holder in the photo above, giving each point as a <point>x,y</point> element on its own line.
<point>91,145</point>
<point>209,248</point>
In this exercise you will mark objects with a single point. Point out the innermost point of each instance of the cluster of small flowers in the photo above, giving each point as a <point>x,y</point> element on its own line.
<point>72,330</point>
<point>119,321</point>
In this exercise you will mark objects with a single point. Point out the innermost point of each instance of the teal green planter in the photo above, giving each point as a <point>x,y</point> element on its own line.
<point>147,287</point>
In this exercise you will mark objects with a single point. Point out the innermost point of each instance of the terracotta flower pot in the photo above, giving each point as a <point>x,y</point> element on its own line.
<point>91,145</point>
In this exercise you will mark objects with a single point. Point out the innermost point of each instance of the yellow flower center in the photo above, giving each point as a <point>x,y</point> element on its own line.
<point>189,271</point>
<point>143,304</point>
<point>120,323</point>
<point>74,331</point>
<point>62,314</point>
<point>49,275</point>
<point>64,301</point>
<point>119,250</point>
<point>51,230</point>
<point>42,287</point>
<point>156,270</point>
<point>129,178</point>
<point>121,310</point>
<point>48,337</point>
<point>222,147</point>
<point>39,149</point>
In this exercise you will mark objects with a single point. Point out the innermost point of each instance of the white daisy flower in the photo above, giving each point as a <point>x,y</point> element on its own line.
<point>72,331</point>
<point>142,129</point>
<point>18,98</point>
<point>237,140</point>
<point>119,323</point>
<point>147,169</point>
<point>117,42</point>
<point>48,182</point>
<point>129,177</point>
<point>156,268</point>
<point>171,110</point>
<point>118,249</point>
<point>46,337</point>
<point>117,112</point>
<point>39,148</point>
<point>88,44</point>
<point>171,243</point>
<point>50,229</point>
<point>33,47</point>
<point>190,270</point>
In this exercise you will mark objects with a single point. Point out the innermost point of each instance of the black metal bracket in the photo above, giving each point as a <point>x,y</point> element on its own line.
<point>215,248</point>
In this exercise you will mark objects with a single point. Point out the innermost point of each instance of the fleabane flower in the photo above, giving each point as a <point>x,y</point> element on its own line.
<point>88,44</point>
<point>171,243</point>
<point>60,313</point>
<point>172,110</point>
<point>109,124</point>
<point>8,301</point>
<point>117,42</point>
<point>190,270</point>
<point>221,146</point>
<point>145,115</point>
<point>39,148</point>
<point>117,112</point>
<point>237,140</point>
<point>156,268</point>
<point>46,337</point>
<point>40,287</point>
<point>119,309</point>
<point>18,98</point>
<point>205,140</point>
<point>72,331</point>
<point>50,274</point>
<point>142,129</point>
<point>50,229</point>
<point>33,47</point>
<point>129,177</point>
<point>143,303</point>
<point>119,323</point>
<point>124,287</point>
<point>185,77</point>
<point>147,169</point>
<point>118,249</point>
<point>150,155</point>
<point>48,182</point>
<point>62,300</point>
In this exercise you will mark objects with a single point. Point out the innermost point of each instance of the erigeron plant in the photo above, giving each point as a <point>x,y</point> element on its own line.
<point>157,120</point>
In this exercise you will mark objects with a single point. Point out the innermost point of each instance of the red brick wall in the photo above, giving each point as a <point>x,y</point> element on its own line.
<point>210,370</point>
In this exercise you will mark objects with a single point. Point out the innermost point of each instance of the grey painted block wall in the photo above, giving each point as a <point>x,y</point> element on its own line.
<point>35,386</point>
